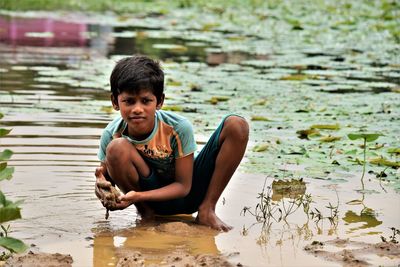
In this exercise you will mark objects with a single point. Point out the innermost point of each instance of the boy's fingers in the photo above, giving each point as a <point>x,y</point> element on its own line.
<point>103,184</point>
<point>97,193</point>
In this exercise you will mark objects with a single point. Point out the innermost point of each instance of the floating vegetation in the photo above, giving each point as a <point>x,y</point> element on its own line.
<point>325,126</point>
<point>259,118</point>
<point>216,99</point>
<point>261,147</point>
<point>179,108</point>
<point>307,133</point>
<point>330,138</point>
<point>385,162</point>
<point>299,77</point>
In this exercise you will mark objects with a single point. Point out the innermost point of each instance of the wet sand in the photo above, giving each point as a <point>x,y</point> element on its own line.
<point>91,240</point>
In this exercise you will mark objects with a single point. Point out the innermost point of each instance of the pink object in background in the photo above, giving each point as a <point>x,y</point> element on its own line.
<point>42,32</point>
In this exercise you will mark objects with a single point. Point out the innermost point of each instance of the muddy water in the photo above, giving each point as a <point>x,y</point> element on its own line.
<point>56,126</point>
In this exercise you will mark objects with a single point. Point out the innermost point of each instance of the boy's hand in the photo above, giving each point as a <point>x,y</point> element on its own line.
<point>130,197</point>
<point>124,201</point>
<point>101,183</point>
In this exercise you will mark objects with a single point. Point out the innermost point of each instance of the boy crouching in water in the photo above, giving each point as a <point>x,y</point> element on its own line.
<point>149,153</point>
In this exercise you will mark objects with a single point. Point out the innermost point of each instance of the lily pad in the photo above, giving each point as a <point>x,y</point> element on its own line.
<point>4,132</point>
<point>385,162</point>
<point>369,137</point>
<point>215,99</point>
<point>307,133</point>
<point>330,138</point>
<point>394,150</point>
<point>261,147</point>
<point>5,155</point>
<point>259,118</point>
<point>326,126</point>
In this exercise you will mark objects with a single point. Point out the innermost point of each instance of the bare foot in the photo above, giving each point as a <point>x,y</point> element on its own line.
<point>209,218</point>
<point>146,213</point>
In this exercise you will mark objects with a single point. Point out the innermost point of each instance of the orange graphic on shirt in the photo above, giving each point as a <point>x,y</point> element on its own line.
<point>159,147</point>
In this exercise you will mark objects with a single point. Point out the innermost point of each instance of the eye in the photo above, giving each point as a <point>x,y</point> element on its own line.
<point>128,101</point>
<point>146,100</point>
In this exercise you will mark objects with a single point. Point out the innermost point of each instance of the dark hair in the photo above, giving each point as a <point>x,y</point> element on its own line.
<point>135,73</point>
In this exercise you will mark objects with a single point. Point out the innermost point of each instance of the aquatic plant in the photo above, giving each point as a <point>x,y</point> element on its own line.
<point>268,209</point>
<point>393,237</point>
<point>367,137</point>
<point>9,210</point>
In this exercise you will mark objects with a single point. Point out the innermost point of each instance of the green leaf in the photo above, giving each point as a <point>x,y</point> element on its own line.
<point>3,165</point>
<point>13,244</point>
<point>259,118</point>
<point>260,147</point>
<point>10,213</point>
<point>1,115</point>
<point>367,136</point>
<point>326,126</point>
<point>6,173</point>
<point>5,155</point>
<point>3,199</point>
<point>4,132</point>
<point>384,162</point>
<point>172,108</point>
<point>306,133</point>
<point>394,150</point>
<point>354,202</point>
<point>351,152</point>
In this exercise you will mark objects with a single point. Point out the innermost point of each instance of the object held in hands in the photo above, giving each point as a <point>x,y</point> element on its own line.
<point>109,196</point>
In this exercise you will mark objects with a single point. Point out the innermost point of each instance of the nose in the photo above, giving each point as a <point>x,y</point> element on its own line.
<point>137,109</point>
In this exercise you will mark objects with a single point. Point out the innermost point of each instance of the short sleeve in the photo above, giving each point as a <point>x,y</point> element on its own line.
<point>183,140</point>
<point>105,139</point>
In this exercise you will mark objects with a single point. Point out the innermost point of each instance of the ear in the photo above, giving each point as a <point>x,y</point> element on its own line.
<point>114,102</point>
<point>160,104</point>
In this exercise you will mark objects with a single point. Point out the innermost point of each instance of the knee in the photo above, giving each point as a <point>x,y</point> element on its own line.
<point>117,150</point>
<point>238,128</point>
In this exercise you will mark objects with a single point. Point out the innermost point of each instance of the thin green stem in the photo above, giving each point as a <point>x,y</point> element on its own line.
<point>364,163</point>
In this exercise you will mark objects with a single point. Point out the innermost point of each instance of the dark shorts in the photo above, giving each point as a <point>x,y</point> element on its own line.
<point>204,164</point>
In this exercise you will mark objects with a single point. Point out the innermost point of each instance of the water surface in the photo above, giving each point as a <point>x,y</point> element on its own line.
<point>54,95</point>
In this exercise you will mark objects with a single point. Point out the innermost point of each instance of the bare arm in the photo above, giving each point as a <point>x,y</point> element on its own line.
<point>179,188</point>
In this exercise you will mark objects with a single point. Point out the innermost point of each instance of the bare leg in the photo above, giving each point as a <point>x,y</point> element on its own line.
<point>124,164</point>
<point>233,141</point>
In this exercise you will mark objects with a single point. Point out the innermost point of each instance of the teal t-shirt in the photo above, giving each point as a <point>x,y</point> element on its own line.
<point>171,138</point>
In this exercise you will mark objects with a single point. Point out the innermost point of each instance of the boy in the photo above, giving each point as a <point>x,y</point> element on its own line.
<point>149,153</point>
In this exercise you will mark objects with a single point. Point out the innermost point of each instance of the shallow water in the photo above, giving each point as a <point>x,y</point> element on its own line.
<point>54,95</point>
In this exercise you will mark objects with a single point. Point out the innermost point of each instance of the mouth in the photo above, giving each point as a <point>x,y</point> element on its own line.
<point>136,118</point>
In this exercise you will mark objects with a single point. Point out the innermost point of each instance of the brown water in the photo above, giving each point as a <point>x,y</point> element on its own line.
<point>55,135</point>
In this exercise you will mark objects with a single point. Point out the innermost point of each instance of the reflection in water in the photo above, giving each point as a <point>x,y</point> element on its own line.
<point>367,216</point>
<point>288,189</point>
<point>42,32</point>
<point>52,33</point>
<point>153,242</point>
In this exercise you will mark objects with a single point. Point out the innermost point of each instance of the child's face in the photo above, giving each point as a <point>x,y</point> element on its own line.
<point>138,111</point>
